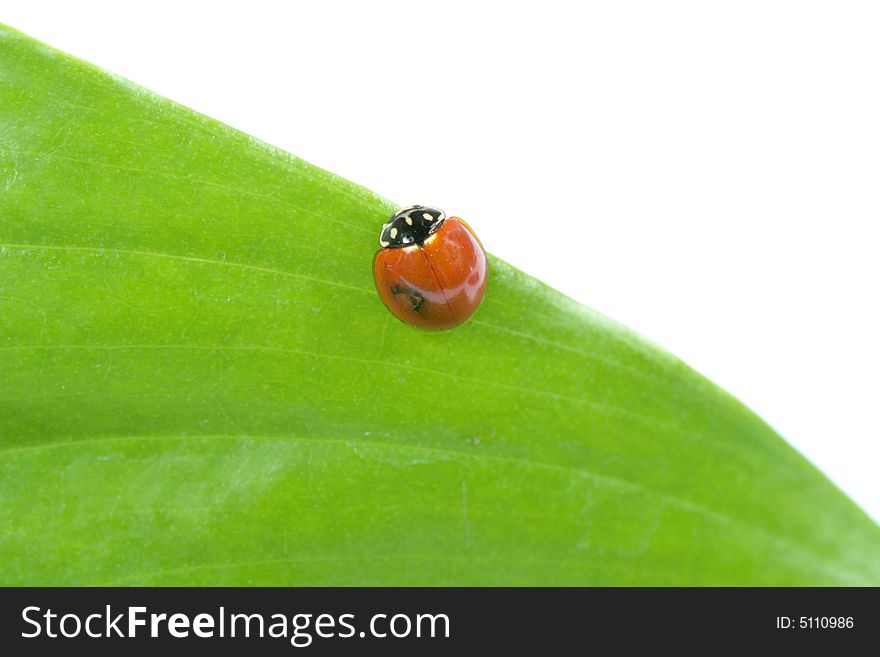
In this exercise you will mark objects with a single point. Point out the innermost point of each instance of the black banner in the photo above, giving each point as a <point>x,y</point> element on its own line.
<point>432,621</point>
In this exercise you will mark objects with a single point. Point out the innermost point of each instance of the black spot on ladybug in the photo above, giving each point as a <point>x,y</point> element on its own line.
<point>415,299</point>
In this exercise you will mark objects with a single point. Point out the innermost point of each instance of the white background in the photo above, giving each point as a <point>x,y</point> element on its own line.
<point>707,173</point>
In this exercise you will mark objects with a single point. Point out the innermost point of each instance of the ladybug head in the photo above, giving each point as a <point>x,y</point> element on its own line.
<point>411,225</point>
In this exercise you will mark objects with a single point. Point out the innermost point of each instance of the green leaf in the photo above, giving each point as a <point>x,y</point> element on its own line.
<point>199,385</point>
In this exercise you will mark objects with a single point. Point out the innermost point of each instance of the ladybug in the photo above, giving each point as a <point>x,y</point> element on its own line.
<point>430,271</point>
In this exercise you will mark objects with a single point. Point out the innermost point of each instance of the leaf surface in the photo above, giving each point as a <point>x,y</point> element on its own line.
<point>199,385</point>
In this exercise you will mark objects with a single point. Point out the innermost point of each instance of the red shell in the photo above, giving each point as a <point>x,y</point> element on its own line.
<point>437,284</point>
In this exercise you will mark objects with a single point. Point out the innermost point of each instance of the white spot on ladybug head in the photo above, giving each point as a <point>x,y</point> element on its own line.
<point>393,233</point>
<point>409,221</point>
<point>427,216</point>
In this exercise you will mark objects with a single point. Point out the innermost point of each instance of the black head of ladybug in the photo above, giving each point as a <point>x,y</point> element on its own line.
<point>411,225</point>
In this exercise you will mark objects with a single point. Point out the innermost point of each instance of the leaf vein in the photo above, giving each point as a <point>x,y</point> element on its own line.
<point>175,256</point>
<point>610,481</point>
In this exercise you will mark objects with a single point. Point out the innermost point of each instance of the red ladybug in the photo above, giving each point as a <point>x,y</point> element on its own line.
<point>431,271</point>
